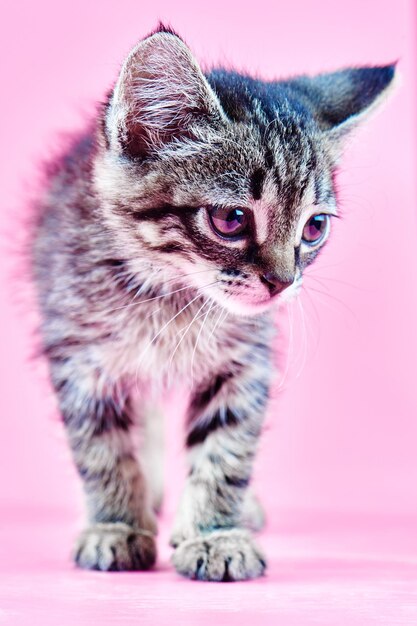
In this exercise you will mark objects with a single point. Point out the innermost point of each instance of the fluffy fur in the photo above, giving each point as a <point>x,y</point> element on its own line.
<point>137,288</point>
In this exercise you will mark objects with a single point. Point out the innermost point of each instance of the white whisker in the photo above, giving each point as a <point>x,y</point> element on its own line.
<point>222,312</point>
<point>337,300</point>
<point>166,282</point>
<point>164,295</point>
<point>304,340</point>
<point>181,276</point>
<point>184,332</point>
<point>290,346</point>
<point>315,328</point>
<point>155,337</point>
<point>197,339</point>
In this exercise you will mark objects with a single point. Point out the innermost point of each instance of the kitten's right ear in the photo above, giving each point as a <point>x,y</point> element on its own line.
<point>161,95</point>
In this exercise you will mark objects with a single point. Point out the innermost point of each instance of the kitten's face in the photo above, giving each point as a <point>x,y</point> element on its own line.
<point>224,180</point>
<point>240,224</point>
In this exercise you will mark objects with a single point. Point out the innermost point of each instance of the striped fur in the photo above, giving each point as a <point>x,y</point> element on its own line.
<point>137,290</point>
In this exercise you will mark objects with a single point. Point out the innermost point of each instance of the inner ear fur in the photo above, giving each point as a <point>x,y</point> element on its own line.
<point>161,95</point>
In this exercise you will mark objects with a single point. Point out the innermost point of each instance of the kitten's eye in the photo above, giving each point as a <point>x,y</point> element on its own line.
<point>228,222</point>
<point>315,229</point>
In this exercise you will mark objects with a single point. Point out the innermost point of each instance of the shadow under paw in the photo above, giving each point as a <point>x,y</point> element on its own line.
<point>222,555</point>
<point>115,547</point>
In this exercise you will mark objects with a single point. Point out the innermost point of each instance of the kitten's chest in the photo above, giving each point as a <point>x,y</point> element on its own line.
<point>175,339</point>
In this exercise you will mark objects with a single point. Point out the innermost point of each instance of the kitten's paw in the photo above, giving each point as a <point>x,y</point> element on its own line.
<point>222,555</point>
<point>115,547</point>
<point>253,514</point>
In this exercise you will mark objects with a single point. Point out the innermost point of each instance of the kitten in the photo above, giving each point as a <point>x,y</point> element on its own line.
<point>168,233</point>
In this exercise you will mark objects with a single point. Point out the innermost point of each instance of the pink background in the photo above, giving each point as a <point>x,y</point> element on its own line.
<point>337,468</point>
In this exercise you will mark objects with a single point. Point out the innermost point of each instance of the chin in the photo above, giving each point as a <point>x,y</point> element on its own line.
<point>240,307</point>
<point>244,307</point>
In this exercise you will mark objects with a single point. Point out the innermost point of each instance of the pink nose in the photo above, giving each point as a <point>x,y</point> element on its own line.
<point>274,283</point>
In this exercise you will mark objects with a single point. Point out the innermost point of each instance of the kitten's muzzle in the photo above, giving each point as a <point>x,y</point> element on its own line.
<point>274,283</point>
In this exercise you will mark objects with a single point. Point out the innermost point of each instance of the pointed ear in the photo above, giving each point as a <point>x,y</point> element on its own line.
<point>341,100</point>
<point>161,95</point>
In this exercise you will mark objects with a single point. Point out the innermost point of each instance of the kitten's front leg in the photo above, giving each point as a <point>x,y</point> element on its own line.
<point>120,534</point>
<point>225,422</point>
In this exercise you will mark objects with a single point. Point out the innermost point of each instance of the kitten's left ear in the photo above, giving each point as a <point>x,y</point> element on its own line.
<point>160,97</point>
<point>341,100</point>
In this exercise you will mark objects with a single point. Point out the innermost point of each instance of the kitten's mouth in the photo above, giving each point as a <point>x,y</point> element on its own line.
<point>242,295</point>
<point>251,302</point>
<point>239,305</point>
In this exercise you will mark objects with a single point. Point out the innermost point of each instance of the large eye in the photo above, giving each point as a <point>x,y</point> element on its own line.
<point>315,229</point>
<point>228,222</point>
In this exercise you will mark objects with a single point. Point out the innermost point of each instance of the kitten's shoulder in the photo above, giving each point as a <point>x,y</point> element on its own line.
<point>73,160</point>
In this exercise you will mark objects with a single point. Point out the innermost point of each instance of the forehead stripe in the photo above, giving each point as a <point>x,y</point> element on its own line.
<point>256,183</point>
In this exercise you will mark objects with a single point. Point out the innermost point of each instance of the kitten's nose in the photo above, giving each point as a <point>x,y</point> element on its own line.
<point>274,283</point>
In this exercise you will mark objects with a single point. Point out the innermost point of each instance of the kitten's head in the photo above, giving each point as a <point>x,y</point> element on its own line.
<point>223,178</point>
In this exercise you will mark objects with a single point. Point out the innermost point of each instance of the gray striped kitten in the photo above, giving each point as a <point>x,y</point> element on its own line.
<point>168,234</point>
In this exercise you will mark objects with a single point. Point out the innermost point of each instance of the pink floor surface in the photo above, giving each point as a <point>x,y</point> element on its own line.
<point>336,572</point>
